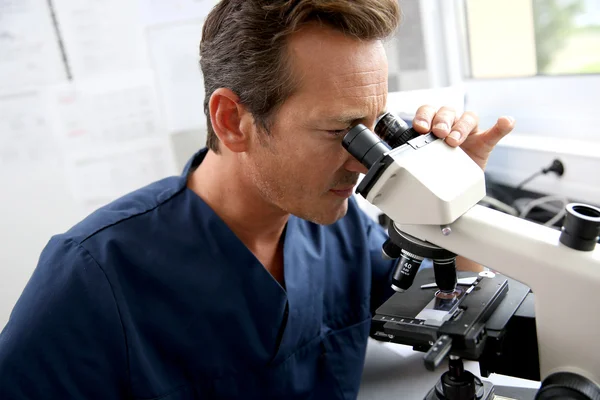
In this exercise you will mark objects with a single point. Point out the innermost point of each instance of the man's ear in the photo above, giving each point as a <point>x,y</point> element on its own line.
<point>229,120</point>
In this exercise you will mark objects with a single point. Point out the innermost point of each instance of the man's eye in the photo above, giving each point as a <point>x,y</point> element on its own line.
<point>338,132</point>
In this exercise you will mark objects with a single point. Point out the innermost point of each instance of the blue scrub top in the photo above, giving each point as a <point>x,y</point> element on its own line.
<point>154,297</point>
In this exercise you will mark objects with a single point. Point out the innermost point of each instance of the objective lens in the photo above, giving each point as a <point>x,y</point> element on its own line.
<point>405,272</point>
<point>445,274</point>
<point>394,131</point>
<point>390,250</point>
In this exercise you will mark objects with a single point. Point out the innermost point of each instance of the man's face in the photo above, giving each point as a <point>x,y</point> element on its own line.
<point>301,167</point>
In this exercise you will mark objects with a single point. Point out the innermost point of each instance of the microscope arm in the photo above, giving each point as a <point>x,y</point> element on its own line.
<point>431,192</point>
<point>566,282</point>
<point>420,199</point>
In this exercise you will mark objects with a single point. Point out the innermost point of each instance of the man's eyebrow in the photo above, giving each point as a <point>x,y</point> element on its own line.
<point>350,118</point>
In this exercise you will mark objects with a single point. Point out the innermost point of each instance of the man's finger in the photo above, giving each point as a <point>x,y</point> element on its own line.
<point>424,118</point>
<point>442,122</point>
<point>503,127</point>
<point>462,128</point>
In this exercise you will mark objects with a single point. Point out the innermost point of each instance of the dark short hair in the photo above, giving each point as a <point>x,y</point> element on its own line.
<point>243,46</point>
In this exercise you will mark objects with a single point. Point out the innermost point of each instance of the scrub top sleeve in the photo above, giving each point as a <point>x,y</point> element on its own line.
<point>381,269</point>
<point>64,338</point>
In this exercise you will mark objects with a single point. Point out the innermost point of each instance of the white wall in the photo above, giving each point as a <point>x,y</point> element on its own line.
<point>130,113</point>
<point>35,205</point>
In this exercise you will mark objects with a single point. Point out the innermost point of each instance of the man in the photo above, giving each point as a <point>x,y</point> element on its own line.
<point>252,275</point>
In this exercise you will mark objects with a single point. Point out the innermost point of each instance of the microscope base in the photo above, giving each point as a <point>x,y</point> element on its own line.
<point>493,392</point>
<point>485,392</point>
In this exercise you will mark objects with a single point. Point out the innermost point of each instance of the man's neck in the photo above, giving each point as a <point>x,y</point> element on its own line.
<point>257,223</point>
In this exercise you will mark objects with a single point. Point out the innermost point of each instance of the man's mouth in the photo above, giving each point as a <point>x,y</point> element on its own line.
<point>344,192</point>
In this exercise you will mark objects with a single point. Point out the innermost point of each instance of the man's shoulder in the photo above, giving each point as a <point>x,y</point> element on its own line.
<point>133,205</point>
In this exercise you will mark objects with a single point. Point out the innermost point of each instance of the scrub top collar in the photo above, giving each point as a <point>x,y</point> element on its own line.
<point>303,290</point>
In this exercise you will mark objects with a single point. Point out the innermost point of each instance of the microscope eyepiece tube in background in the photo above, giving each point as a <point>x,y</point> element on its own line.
<point>394,131</point>
<point>581,227</point>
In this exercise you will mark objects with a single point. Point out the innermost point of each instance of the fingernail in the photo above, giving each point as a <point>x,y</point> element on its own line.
<point>455,135</point>
<point>422,124</point>
<point>441,126</point>
<point>511,119</point>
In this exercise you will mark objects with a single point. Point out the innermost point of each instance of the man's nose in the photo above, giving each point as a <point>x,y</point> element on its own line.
<point>353,165</point>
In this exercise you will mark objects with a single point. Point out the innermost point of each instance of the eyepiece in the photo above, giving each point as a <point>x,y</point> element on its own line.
<point>581,228</point>
<point>394,131</point>
<point>368,147</point>
<point>364,145</point>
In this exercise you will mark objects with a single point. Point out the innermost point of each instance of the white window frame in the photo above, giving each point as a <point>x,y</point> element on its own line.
<point>557,116</point>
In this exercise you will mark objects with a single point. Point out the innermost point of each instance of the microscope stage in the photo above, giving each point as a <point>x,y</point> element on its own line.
<point>418,318</point>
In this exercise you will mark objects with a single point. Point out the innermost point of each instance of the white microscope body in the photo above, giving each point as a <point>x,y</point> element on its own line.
<point>430,186</point>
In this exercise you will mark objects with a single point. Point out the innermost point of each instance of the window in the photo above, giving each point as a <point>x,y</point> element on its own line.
<point>517,38</point>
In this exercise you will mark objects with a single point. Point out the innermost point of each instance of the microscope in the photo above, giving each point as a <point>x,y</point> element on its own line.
<point>532,314</point>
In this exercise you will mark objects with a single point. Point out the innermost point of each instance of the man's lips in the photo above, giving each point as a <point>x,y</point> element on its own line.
<point>343,192</point>
<point>343,189</point>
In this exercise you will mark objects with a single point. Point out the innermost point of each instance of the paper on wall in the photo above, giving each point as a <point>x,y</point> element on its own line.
<point>101,36</point>
<point>29,49</point>
<point>26,137</point>
<point>97,179</point>
<point>112,134</point>
<point>174,55</point>
<point>107,112</point>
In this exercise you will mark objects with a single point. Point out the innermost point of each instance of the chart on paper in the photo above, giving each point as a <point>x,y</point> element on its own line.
<point>29,57</point>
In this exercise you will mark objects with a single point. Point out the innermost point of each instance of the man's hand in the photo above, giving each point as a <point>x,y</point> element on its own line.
<point>463,131</point>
